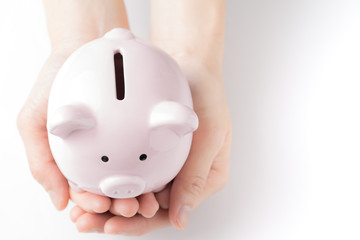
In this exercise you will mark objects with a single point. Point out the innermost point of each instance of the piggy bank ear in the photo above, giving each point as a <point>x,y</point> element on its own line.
<point>169,121</point>
<point>67,119</point>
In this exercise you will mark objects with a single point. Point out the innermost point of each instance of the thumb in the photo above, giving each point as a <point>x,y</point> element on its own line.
<point>189,186</point>
<point>41,162</point>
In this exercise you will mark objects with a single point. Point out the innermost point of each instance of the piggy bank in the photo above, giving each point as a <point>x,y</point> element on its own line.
<point>120,117</point>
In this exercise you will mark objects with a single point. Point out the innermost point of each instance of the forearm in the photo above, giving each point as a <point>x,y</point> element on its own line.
<point>190,30</point>
<point>73,23</point>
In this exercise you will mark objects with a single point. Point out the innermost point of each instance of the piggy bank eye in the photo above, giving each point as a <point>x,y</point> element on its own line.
<point>105,158</point>
<point>142,157</point>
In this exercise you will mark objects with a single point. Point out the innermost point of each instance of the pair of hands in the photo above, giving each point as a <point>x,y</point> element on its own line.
<point>204,173</point>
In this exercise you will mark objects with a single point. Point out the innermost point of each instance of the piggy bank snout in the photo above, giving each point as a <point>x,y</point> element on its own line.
<point>122,186</point>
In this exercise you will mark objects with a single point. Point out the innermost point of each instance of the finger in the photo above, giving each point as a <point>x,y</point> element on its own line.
<point>163,197</point>
<point>75,213</point>
<point>41,162</point>
<point>92,222</point>
<point>124,207</point>
<point>91,202</point>
<point>137,225</point>
<point>188,186</point>
<point>219,171</point>
<point>148,205</point>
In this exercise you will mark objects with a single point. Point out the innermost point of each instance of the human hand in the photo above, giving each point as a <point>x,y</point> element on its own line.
<point>206,169</point>
<point>32,127</point>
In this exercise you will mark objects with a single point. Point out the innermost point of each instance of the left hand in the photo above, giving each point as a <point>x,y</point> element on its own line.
<point>124,215</point>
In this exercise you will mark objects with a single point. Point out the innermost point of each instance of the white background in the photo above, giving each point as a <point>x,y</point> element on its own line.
<point>292,73</point>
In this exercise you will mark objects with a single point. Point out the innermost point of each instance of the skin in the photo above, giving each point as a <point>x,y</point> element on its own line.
<point>192,32</point>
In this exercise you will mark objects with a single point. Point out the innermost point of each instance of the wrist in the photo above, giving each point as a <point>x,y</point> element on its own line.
<point>74,23</point>
<point>190,31</point>
<point>199,56</point>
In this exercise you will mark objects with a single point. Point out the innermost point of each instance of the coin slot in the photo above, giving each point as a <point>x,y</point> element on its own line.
<point>119,76</point>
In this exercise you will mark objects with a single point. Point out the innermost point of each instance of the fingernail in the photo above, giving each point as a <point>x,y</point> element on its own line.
<point>183,216</point>
<point>54,198</point>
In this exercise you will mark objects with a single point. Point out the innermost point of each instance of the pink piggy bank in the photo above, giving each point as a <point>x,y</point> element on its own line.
<point>120,117</point>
